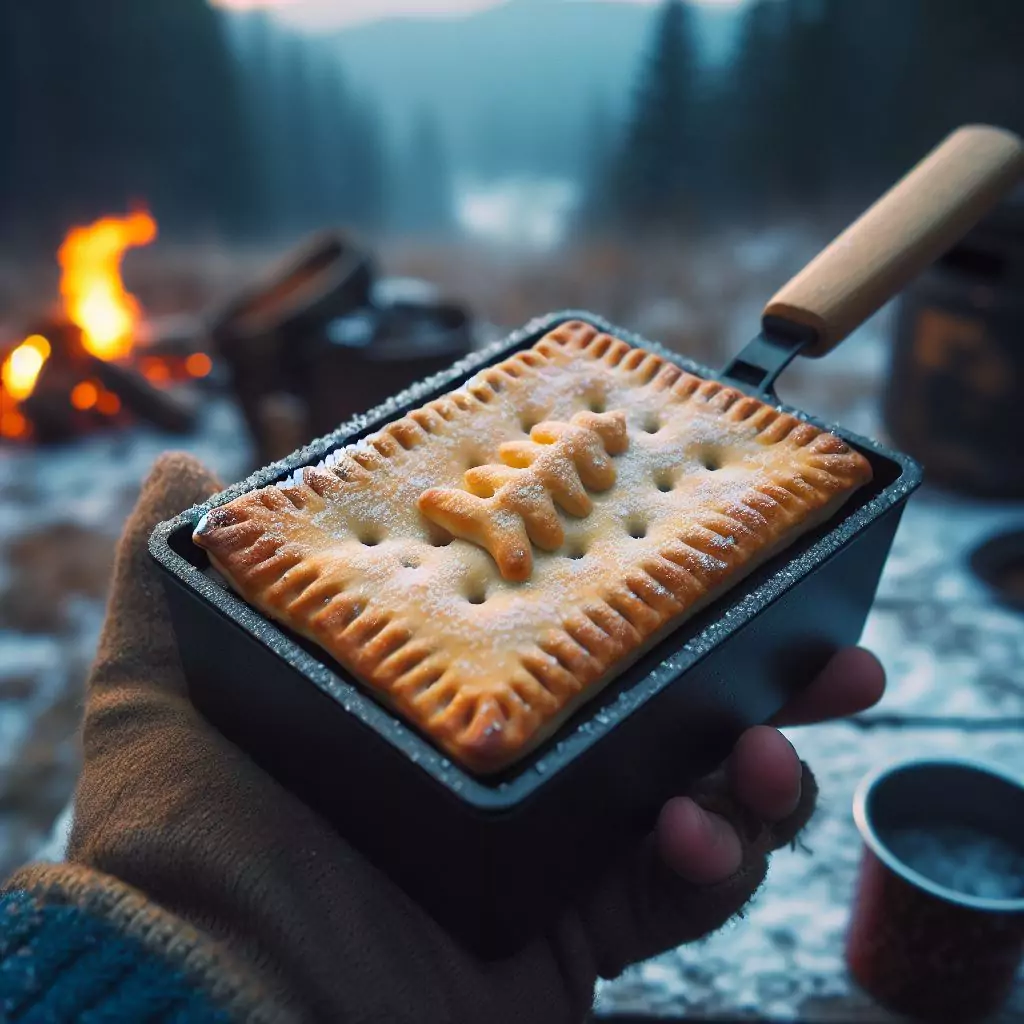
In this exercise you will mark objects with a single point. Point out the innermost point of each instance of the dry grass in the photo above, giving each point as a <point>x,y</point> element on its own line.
<point>702,298</point>
<point>684,294</point>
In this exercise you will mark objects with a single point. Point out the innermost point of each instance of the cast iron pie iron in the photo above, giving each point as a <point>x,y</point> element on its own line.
<point>493,856</point>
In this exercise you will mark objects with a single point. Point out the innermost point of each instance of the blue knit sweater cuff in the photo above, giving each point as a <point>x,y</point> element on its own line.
<point>60,963</point>
<point>79,945</point>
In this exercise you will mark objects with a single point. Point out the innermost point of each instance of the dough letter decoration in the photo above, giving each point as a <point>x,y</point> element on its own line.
<point>506,506</point>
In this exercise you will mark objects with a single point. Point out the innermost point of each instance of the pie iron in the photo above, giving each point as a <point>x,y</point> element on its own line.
<point>493,859</point>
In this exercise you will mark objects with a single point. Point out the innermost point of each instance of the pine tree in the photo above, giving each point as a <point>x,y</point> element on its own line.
<point>212,128</point>
<point>367,168</point>
<point>297,134</point>
<point>969,65</point>
<point>322,151</point>
<point>117,102</point>
<point>8,82</point>
<point>877,126</point>
<point>333,133</point>
<point>595,173</point>
<point>654,169</point>
<point>793,92</point>
<point>427,195</point>
<point>261,58</point>
<point>748,98</point>
<point>809,111</point>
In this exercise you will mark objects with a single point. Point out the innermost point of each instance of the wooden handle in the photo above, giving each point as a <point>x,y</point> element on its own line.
<point>914,223</point>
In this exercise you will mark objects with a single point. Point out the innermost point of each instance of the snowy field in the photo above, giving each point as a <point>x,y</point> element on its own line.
<point>955,659</point>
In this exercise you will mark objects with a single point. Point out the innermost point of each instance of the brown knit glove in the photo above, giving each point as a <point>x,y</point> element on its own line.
<point>171,808</point>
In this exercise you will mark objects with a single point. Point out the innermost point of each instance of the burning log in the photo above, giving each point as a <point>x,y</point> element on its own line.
<point>167,410</point>
<point>173,351</point>
<point>74,391</point>
<point>81,371</point>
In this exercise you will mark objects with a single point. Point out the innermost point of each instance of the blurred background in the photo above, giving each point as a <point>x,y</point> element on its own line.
<point>229,226</point>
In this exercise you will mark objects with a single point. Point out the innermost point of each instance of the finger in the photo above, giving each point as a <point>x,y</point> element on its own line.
<point>698,845</point>
<point>137,641</point>
<point>645,907</point>
<point>852,681</point>
<point>686,881</point>
<point>764,773</point>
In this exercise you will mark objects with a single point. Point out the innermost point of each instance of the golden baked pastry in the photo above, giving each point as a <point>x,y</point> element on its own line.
<point>488,562</point>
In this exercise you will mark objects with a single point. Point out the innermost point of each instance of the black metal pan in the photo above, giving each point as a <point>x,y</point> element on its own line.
<point>493,859</point>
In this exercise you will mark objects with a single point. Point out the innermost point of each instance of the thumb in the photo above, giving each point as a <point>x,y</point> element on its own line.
<point>137,641</point>
<point>644,908</point>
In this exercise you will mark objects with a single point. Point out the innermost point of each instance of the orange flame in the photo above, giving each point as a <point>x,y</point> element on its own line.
<point>22,366</point>
<point>91,285</point>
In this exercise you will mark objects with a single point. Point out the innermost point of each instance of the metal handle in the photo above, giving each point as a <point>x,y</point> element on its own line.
<point>913,224</point>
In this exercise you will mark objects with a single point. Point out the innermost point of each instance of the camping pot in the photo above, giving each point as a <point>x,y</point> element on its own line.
<point>937,930</point>
<point>355,362</point>
<point>955,399</point>
<point>262,329</point>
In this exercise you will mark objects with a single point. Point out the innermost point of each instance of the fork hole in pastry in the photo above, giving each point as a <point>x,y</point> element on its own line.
<point>528,423</point>
<point>651,424</point>
<point>575,549</point>
<point>596,403</point>
<point>476,594</point>
<point>637,529</point>
<point>710,459</point>
<point>369,538</point>
<point>664,482</point>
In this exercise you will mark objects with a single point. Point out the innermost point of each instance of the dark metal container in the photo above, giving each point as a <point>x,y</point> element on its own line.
<point>321,338</point>
<point>356,361</point>
<point>261,331</point>
<point>919,947</point>
<point>493,860</point>
<point>955,398</point>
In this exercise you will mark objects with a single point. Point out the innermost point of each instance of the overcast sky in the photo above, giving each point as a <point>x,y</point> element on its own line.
<point>338,13</point>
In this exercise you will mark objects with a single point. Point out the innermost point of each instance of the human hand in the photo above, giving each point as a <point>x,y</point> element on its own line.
<point>167,805</point>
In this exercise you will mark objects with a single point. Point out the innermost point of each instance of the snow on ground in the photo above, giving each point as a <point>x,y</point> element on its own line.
<point>955,662</point>
<point>955,659</point>
<point>49,622</point>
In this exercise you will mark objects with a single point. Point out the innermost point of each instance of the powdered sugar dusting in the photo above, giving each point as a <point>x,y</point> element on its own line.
<point>370,530</point>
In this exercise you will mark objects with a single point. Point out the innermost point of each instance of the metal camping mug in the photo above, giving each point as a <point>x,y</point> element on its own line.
<point>937,930</point>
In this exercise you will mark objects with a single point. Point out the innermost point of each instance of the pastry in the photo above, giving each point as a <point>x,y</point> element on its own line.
<point>489,562</point>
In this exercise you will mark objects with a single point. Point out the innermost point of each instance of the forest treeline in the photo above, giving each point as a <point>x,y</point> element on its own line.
<point>223,124</point>
<point>825,104</point>
<point>231,126</point>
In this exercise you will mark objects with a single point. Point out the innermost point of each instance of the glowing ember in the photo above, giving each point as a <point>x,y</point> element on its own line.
<point>199,364</point>
<point>13,424</point>
<point>155,370</point>
<point>108,403</point>
<point>84,395</point>
<point>91,285</point>
<point>21,368</point>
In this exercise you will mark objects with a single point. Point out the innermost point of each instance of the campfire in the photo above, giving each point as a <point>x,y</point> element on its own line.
<point>315,340</point>
<point>93,364</point>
